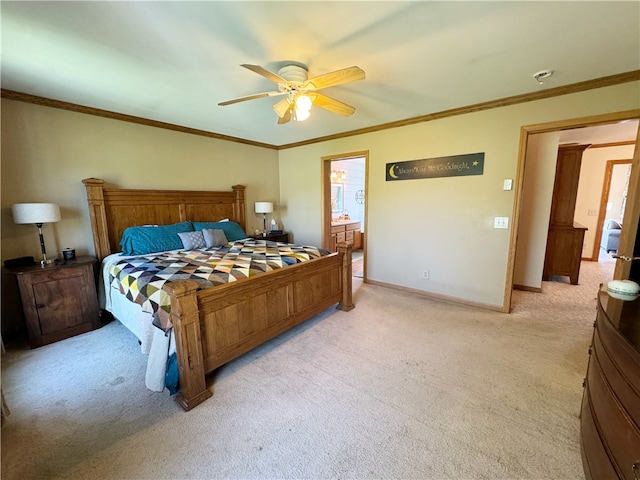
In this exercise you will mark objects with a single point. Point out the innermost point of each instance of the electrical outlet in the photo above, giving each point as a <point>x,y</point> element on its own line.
<point>425,275</point>
<point>501,222</point>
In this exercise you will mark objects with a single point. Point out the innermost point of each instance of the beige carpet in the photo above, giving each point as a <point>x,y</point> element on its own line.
<point>401,387</point>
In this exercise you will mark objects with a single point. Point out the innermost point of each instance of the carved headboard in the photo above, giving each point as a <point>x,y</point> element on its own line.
<point>113,209</point>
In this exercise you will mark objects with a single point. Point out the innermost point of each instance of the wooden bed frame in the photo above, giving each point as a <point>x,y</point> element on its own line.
<point>215,325</point>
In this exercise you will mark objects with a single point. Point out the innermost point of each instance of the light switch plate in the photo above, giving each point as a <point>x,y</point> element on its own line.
<point>501,222</point>
<point>508,184</point>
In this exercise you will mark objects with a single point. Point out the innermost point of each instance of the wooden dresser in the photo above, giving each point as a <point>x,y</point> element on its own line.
<point>564,242</point>
<point>564,251</point>
<point>346,231</point>
<point>610,417</point>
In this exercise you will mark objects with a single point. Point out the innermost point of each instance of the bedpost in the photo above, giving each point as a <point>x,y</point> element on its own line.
<point>346,303</point>
<point>186,328</point>
<point>239,208</point>
<point>98,215</point>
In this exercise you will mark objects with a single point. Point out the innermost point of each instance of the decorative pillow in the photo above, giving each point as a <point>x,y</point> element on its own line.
<point>214,238</point>
<point>232,230</point>
<point>144,240</point>
<point>192,240</point>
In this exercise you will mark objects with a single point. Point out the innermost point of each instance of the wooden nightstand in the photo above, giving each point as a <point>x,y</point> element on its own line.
<point>278,237</point>
<point>59,300</point>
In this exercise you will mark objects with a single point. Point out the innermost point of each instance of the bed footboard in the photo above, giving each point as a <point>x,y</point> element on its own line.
<point>216,325</point>
<point>186,329</point>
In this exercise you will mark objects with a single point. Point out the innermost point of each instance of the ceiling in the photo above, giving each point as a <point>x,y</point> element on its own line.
<point>173,62</point>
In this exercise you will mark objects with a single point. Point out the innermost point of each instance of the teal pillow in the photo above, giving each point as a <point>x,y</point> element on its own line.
<point>144,240</point>
<point>232,230</point>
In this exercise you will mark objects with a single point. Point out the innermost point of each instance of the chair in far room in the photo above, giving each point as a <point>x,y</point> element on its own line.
<point>611,236</point>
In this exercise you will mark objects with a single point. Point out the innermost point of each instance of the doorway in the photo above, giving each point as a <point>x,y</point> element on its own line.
<point>523,243</point>
<point>344,204</point>
<point>612,205</point>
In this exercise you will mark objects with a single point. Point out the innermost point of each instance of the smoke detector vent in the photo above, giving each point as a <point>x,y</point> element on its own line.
<point>541,75</point>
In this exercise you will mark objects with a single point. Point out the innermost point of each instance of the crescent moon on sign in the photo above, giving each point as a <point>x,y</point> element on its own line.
<point>391,172</point>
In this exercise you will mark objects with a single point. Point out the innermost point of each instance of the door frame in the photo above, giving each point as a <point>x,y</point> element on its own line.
<point>326,200</point>
<point>602,212</point>
<point>632,211</point>
<point>631,216</point>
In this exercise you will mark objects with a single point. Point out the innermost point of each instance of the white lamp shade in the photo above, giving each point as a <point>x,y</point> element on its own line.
<point>264,207</point>
<point>35,213</point>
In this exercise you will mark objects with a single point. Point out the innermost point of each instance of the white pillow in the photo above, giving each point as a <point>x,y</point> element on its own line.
<point>214,238</point>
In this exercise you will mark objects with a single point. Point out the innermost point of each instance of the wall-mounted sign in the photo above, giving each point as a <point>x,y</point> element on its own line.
<point>454,166</point>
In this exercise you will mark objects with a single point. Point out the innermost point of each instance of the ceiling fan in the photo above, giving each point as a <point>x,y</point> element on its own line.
<point>301,92</point>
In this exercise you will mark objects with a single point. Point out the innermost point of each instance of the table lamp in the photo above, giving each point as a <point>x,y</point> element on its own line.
<point>264,208</point>
<point>37,213</point>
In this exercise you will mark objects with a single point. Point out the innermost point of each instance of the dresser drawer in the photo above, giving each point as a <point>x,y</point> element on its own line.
<point>597,464</point>
<point>616,429</point>
<point>612,370</point>
<point>353,226</point>
<point>348,237</point>
<point>340,237</point>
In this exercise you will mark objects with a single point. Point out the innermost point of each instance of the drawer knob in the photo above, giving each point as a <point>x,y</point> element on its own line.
<point>636,470</point>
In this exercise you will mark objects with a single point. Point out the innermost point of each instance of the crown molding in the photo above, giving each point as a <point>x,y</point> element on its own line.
<point>526,97</point>
<point>73,107</point>
<point>503,102</point>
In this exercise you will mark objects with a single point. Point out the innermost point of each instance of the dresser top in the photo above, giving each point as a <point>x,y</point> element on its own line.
<point>624,316</point>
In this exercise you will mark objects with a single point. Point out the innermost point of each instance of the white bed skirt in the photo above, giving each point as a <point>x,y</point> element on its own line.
<point>153,341</point>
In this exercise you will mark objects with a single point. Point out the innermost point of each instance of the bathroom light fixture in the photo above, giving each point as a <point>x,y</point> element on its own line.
<point>338,175</point>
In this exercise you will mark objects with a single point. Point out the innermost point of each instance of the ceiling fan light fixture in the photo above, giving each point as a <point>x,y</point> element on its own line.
<point>303,102</point>
<point>301,107</point>
<point>301,115</point>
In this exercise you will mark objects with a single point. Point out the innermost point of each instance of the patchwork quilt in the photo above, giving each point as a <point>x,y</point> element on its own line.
<point>141,278</point>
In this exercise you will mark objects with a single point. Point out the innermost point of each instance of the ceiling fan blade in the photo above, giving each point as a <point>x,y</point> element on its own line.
<point>332,105</point>
<point>264,72</point>
<point>339,77</point>
<point>282,107</point>
<point>286,118</point>
<point>250,97</point>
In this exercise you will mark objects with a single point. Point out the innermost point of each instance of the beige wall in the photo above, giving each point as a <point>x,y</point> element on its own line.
<point>47,152</point>
<point>446,224</point>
